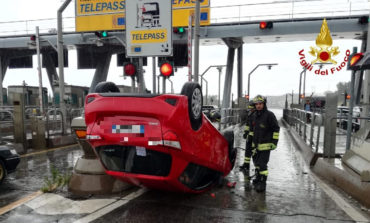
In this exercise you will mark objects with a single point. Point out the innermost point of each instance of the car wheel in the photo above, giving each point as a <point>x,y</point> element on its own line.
<point>105,87</point>
<point>229,136</point>
<point>195,101</point>
<point>2,171</point>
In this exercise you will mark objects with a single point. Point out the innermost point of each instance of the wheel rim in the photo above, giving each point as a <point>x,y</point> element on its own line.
<point>196,103</point>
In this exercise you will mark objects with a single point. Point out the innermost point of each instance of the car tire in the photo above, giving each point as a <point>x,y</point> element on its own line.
<point>105,87</point>
<point>229,136</point>
<point>2,171</point>
<point>195,102</point>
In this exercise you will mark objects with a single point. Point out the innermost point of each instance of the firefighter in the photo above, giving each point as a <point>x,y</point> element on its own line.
<point>262,138</point>
<point>248,150</point>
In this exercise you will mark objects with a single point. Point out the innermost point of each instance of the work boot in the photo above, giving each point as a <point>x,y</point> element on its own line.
<point>244,168</point>
<point>257,176</point>
<point>260,185</point>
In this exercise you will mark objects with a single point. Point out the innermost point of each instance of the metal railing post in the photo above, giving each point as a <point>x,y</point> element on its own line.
<point>312,128</point>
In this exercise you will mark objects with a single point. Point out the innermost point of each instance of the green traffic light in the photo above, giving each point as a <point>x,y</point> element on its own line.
<point>181,30</point>
<point>104,34</point>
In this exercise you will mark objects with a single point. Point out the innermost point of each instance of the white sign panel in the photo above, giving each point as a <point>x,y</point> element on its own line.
<point>149,28</point>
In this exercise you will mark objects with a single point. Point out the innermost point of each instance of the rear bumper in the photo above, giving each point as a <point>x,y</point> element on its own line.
<point>170,174</point>
<point>12,163</point>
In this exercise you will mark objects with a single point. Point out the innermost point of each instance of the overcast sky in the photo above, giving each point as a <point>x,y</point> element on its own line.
<point>279,80</point>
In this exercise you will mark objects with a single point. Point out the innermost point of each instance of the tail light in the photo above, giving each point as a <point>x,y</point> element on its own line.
<point>90,98</point>
<point>170,139</point>
<point>81,134</point>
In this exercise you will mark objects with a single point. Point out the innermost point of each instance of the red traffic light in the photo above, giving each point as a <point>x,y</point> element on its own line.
<point>129,69</point>
<point>263,25</point>
<point>363,20</point>
<point>266,25</point>
<point>247,96</point>
<point>166,69</point>
<point>348,96</point>
<point>357,57</point>
<point>33,38</point>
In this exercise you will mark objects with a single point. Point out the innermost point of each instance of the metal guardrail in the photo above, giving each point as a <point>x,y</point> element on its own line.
<point>52,117</point>
<point>309,125</point>
<point>302,121</point>
<point>230,116</point>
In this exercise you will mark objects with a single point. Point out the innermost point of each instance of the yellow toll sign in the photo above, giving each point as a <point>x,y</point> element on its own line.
<point>148,36</point>
<point>180,17</point>
<point>96,7</point>
<point>100,22</point>
<point>188,3</point>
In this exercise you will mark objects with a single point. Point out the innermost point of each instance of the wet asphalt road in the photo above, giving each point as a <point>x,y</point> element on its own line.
<point>292,195</point>
<point>32,170</point>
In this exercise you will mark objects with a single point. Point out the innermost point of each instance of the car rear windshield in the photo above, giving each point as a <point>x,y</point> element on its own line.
<point>133,159</point>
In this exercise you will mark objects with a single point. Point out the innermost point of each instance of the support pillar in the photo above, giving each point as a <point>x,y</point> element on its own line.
<point>51,70</point>
<point>101,71</point>
<point>366,85</point>
<point>228,78</point>
<point>19,116</point>
<point>330,125</point>
<point>4,62</point>
<point>163,85</point>
<point>154,67</point>
<point>240,71</point>
<point>358,79</point>
<point>232,43</point>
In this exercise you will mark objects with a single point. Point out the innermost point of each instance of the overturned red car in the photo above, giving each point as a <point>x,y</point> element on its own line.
<point>158,141</point>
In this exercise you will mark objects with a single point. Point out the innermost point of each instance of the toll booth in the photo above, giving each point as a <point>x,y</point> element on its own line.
<point>74,96</point>
<point>31,94</point>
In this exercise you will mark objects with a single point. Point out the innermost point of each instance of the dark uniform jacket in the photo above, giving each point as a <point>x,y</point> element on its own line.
<point>263,130</point>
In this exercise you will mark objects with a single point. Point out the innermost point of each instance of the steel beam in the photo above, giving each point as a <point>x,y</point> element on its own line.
<point>50,70</point>
<point>101,71</point>
<point>240,72</point>
<point>228,78</point>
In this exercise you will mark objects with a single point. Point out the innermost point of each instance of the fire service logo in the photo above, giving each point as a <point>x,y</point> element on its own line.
<point>323,53</point>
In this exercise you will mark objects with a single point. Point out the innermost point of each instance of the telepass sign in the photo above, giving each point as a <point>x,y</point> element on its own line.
<point>96,15</point>
<point>93,15</point>
<point>325,53</point>
<point>149,28</point>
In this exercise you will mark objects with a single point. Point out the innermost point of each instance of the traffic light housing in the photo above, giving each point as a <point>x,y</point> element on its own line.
<point>166,68</point>
<point>101,34</point>
<point>266,25</point>
<point>355,59</point>
<point>363,20</point>
<point>129,69</point>
<point>178,30</point>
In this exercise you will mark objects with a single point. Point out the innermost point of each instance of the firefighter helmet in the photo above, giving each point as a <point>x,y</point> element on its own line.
<point>259,99</point>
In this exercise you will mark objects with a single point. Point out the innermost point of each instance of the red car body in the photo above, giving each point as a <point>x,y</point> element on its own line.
<point>147,140</point>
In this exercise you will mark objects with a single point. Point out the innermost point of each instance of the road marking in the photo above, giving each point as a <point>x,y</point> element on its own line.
<point>47,150</point>
<point>55,204</point>
<point>343,204</point>
<point>19,202</point>
<point>111,207</point>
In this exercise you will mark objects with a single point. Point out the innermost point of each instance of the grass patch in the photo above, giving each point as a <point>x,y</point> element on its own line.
<point>57,181</point>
